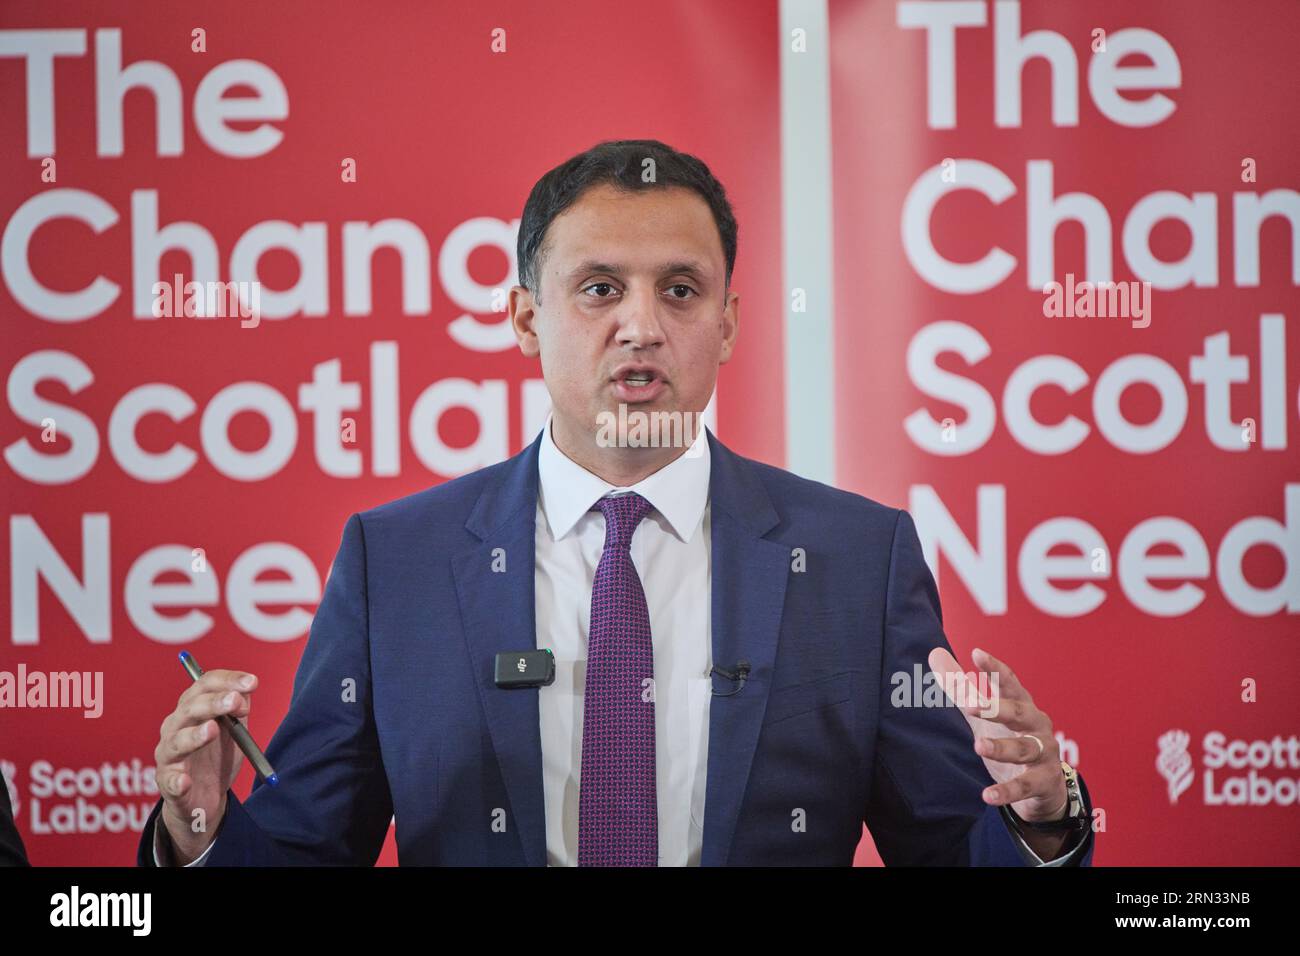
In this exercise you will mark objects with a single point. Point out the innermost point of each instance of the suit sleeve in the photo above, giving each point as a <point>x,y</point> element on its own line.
<point>924,807</point>
<point>162,849</point>
<point>1074,850</point>
<point>332,806</point>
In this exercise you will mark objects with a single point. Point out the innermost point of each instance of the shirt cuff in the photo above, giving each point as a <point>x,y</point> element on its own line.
<point>162,849</point>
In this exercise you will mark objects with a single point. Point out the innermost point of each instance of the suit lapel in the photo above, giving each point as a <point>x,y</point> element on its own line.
<point>748,590</point>
<point>497,611</point>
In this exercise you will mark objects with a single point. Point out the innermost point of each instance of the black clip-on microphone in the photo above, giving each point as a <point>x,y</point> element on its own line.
<point>741,674</point>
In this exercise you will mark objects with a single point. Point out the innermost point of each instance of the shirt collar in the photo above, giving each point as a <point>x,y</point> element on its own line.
<point>679,490</point>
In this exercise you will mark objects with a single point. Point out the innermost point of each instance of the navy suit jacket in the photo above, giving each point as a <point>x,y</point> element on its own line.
<point>413,616</point>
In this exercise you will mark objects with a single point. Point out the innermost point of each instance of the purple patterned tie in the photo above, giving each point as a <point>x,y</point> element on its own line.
<point>618,819</point>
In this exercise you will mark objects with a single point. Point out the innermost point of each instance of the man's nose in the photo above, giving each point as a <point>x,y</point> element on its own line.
<point>639,322</point>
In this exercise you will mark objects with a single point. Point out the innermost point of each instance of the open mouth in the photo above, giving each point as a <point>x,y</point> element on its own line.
<point>637,384</point>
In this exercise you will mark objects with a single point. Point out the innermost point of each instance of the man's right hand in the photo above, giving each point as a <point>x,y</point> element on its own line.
<point>197,760</point>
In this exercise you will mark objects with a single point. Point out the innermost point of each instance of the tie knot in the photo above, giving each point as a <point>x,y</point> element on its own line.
<point>622,515</point>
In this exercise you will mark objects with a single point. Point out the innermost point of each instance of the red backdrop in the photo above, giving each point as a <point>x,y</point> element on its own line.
<point>1117,666</point>
<point>97,527</point>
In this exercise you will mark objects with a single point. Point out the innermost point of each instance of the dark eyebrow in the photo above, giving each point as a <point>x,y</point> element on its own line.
<point>685,267</point>
<point>688,267</point>
<point>590,266</point>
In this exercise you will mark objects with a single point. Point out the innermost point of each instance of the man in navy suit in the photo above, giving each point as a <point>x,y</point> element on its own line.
<point>732,645</point>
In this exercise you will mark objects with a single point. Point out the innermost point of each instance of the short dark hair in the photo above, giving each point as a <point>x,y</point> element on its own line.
<point>619,163</point>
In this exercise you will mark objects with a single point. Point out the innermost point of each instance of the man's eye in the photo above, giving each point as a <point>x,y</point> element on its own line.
<point>599,285</point>
<point>683,286</point>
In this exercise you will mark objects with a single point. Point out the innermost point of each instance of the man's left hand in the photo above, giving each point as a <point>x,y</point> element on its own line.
<point>1004,723</point>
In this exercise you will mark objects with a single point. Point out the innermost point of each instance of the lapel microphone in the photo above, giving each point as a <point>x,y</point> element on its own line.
<point>738,677</point>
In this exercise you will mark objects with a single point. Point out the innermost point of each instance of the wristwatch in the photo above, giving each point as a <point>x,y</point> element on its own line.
<point>1076,815</point>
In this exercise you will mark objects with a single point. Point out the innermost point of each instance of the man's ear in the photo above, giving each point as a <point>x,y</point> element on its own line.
<point>730,327</point>
<point>523,317</point>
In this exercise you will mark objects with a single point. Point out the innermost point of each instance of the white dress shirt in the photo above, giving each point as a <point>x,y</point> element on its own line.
<point>671,553</point>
